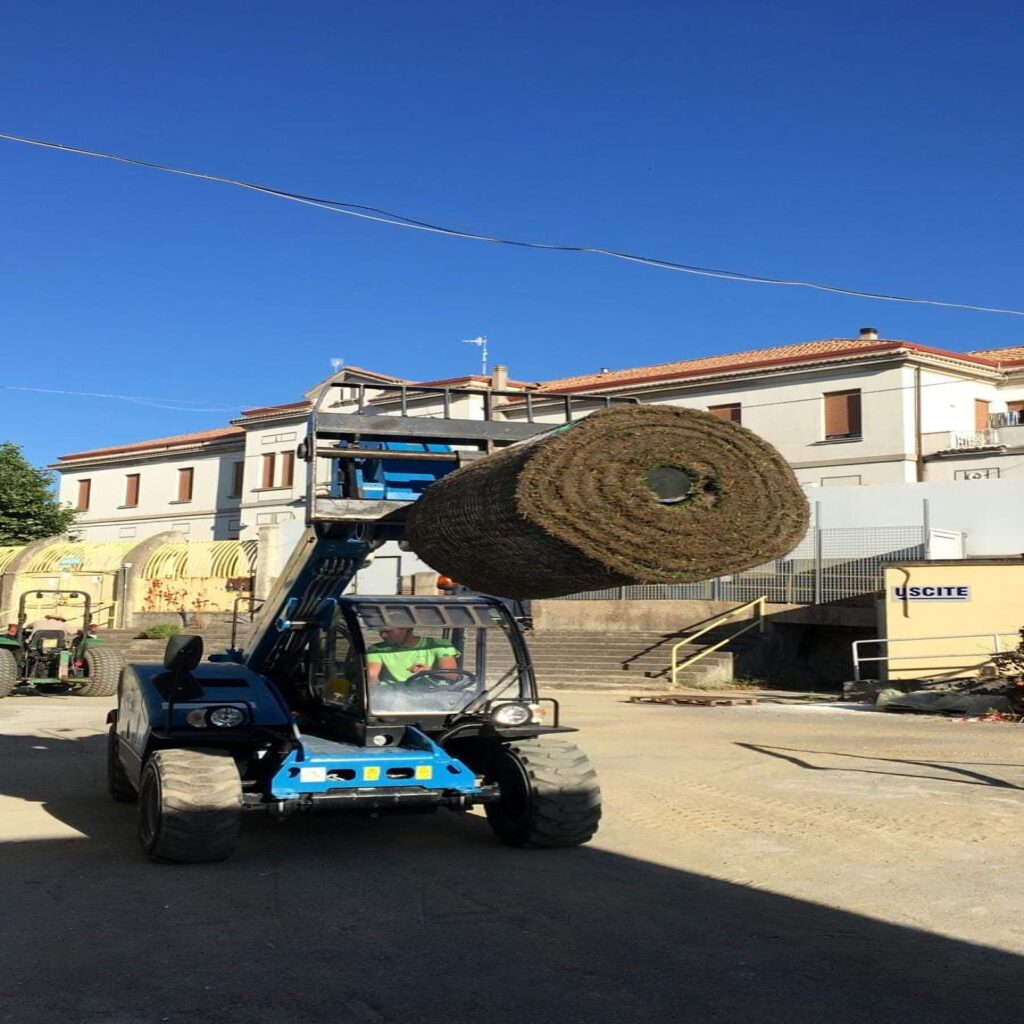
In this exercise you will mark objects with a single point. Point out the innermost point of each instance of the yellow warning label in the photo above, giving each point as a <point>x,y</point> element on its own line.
<point>424,771</point>
<point>371,774</point>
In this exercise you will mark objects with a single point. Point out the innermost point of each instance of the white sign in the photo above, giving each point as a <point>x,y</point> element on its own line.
<point>69,562</point>
<point>932,593</point>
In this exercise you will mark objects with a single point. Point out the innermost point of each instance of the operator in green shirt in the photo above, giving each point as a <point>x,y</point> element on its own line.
<point>402,653</point>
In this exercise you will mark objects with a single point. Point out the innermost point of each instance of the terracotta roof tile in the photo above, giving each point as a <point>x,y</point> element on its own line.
<point>177,441</point>
<point>806,351</point>
<point>264,409</point>
<point>1011,354</point>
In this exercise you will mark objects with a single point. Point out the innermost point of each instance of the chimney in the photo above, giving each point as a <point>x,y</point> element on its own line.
<point>868,334</point>
<point>604,370</point>
<point>499,378</point>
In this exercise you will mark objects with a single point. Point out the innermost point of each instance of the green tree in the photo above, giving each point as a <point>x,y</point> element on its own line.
<point>29,509</point>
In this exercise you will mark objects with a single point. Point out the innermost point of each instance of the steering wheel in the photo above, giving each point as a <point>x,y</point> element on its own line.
<point>444,678</point>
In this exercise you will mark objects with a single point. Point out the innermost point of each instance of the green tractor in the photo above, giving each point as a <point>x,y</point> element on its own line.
<point>50,657</point>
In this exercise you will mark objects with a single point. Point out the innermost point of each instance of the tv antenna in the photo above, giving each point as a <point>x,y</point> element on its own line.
<point>337,364</point>
<point>481,343</point>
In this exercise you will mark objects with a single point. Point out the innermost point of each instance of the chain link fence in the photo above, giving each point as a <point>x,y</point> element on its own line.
<point>828,565</point>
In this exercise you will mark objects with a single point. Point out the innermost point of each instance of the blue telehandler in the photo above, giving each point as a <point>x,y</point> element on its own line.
<point>346,702</point>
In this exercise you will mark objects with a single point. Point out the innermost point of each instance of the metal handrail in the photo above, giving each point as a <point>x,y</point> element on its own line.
<point>758,623</point>
<point>859,659</point>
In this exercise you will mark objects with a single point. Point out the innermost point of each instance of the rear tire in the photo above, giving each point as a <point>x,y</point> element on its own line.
<point>8,672</point>
<point>190,806</point>
<point>103,670</point>
<point>118,785</point>
<point>550,796</point>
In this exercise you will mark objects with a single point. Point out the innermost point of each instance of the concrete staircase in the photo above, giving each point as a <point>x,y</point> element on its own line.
<point>563,660</point>
<point>634,661</point>
<point>127,642</point>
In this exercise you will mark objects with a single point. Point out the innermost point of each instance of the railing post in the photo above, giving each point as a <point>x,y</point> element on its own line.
<point>856,660</point>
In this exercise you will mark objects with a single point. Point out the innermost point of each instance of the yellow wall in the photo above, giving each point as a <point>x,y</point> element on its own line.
<point>994,605</point>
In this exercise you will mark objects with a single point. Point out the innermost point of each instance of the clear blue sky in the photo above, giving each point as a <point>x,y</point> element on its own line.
<point>874,145</point>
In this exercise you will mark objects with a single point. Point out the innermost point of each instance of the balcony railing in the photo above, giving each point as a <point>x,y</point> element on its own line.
<point>978,439</point>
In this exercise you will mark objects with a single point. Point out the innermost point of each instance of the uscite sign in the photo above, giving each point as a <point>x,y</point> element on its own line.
<point>956,592</point>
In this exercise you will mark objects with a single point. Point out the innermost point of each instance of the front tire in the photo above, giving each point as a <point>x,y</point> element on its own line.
<point>550,796</point>
<point>102,672</point>
<point>8,672</point>
<point>190,806</point>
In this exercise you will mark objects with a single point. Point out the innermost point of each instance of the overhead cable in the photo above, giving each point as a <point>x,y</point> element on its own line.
<point>398,220</point>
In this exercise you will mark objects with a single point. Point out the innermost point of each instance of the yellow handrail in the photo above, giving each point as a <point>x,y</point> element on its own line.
<point>677,666</point>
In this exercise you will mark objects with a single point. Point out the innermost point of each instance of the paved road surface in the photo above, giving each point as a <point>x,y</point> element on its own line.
<point>757,865</point>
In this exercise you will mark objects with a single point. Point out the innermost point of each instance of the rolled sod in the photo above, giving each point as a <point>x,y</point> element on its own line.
<point>637,494</point>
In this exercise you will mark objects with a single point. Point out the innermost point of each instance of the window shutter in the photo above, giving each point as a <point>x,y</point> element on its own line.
<point>237,480</point>
<point>842,414</point>
<point>980,415</point>
<point>287,469</point>
<point>131,490</point>
<point>84,494</point>
<point>185,484</point>
<point>268,470</point>
<point>730,413</point>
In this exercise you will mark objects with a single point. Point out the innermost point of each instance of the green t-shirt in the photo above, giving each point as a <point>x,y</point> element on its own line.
<point>397,662</point>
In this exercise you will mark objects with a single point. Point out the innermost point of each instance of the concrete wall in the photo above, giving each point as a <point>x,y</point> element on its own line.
<point>987,511</point>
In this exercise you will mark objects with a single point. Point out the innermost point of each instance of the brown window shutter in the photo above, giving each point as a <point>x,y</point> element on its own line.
<point>131,490</point>
<point>268,470</point>
<point>185,484</point>
<point>730,413</point>
<point>842,414</point>
<point>237,479</point>
<point>287,469</point>
<point>84,494</point>
<point>980,415</point>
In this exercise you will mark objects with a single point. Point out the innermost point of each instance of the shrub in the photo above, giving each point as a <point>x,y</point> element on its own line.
<point>161,631</point>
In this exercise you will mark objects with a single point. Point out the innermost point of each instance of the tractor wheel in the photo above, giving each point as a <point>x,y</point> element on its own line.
<point>190,806</point>
<point>549,794</point>
<point>118,785</point>
<point>102,672</point>
<point>8,672</point>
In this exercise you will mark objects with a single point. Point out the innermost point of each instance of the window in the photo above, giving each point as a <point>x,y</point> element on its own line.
<point>730,413</point>
<point>269,461</point>
<point>131,490</point>
<point>1014,413</point>
<point>287,469</point>
<point>237,477</point>
<point>980,415</point>
<point>842,415</point>
<point>185,478</point>
<point>84,494</point>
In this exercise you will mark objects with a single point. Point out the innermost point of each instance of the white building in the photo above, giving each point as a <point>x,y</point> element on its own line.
<point>842,411</point>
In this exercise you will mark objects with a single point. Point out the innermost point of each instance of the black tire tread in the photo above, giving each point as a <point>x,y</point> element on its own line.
<point>105,667</point>
<point>201,806</point>
<point>8,672</point>
<point>565,804</point>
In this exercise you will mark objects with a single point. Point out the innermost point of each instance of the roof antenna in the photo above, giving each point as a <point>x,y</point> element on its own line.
<point>482,343</point>
<point>337,364</point>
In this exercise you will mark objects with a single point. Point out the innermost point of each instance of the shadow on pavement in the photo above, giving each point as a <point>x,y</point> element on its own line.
<point>961,775</point>
<point>429,919</point>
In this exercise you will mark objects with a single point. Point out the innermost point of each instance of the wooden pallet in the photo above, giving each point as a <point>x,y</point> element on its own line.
<point>693,700</point>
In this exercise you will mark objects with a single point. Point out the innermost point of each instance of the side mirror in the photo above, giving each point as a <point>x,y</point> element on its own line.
<point>183,653</point>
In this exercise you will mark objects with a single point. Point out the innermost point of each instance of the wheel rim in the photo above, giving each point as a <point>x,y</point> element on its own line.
<point>514,789</point>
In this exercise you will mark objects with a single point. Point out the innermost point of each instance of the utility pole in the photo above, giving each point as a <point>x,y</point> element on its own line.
<point>481,343</point>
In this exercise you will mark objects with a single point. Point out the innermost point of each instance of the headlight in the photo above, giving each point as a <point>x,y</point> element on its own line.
<point>226,718</point>
<point>511,714</point>
<point>197,718</point>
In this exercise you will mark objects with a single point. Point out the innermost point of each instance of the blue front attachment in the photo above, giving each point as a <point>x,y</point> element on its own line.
<point>395,479</point>
<point>320,766</point>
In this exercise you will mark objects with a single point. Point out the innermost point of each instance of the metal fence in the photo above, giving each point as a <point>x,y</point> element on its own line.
<point>828,565</point>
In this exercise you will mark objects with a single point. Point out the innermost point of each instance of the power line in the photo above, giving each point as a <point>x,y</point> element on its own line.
<point>176,405</point>
<point>398,220</point>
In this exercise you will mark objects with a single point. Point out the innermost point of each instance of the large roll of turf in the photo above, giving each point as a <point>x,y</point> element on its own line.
<point>637,494</point>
